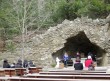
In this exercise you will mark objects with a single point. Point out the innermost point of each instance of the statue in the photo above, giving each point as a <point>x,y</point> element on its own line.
<point>58,62</point>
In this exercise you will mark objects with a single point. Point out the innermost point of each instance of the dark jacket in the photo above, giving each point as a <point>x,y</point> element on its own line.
<point>31,64</point>
<point>6,65</point>
<point>78,66</point>
<point>25,64</point>
<point>18,65</point>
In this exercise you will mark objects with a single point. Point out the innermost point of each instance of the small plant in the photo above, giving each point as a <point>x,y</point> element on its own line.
<point>53,65</point>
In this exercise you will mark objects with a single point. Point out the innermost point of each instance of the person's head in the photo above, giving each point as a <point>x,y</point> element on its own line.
<point>66,54</point>
<point>5,61</point>
<point>78,59</point>
<point>89,57</point>
<point>89,53</point>
<point>25,61</point>
<point>77,53</point>
<point>19,60</point>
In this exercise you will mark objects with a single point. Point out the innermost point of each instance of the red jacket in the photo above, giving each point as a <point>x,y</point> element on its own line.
<point>88,62</point>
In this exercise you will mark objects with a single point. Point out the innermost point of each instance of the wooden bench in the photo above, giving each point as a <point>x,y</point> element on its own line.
<point>10,71</point>
<point>86,71</point>
<point>71,76</point>
<point>35,69</point>
<point>20,71</point>
<point>2,72</point>
<point>49,79</point>
<point>72,73</point>
<point>4,78</point>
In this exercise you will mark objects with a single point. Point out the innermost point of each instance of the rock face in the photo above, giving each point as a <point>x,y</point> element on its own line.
<point>82,34</point>
<point>97,32</point>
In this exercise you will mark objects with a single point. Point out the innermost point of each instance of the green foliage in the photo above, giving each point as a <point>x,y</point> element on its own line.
<point>97,8</point>
<point>108,7</point>
<point>6,26</point>
<point>10,46</point>
<point>54,11</point>
<point>54,7</point>
<point>77,8</point>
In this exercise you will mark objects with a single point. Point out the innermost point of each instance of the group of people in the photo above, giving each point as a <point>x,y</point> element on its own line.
<point>89,62</point>
<point>19,64</point>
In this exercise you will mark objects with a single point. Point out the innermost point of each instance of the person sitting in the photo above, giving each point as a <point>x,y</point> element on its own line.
<point>13,65</point>
<point>6,64</point>
<point>91,66</point>
<point>18,64</point>
<point>25,64</point>
<point>88,61</point>
<point>31,64</point>
<point>78,55</point>
<point>78,65</point>
<point>93,56</point>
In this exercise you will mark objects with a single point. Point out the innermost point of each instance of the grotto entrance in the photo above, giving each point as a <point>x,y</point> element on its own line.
<point>80,43</point>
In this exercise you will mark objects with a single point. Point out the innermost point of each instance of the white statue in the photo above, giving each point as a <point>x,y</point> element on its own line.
<point>58,62</point>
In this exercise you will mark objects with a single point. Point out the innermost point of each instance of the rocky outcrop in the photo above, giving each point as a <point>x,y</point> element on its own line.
<point>44,45</point>
<point>97,31</point>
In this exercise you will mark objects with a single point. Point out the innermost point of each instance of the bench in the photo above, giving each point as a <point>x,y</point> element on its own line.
<point>77,71</point>
<point>48,79</point>
<point>72,73</point>
<point>20,71</point>
<point>35,69</point>
<point>2,72</point>
<point>71,76</point>
<point>9,71</point>
<point>4,78</point>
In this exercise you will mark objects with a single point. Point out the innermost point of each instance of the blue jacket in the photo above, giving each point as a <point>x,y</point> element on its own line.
<point>66,58</point>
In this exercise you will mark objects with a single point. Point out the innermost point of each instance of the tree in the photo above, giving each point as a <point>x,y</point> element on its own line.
<point>27,15</point>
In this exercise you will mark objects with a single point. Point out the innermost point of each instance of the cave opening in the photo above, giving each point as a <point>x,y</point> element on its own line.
<point>80,43</point>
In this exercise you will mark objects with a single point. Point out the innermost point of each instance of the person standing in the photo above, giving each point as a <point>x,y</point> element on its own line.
<point>65,58</point>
